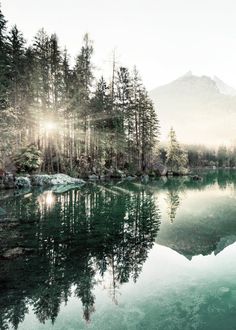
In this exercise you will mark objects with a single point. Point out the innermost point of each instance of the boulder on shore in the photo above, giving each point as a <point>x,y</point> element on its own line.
<point>54,179</point>
<point>22,182</point>
<point>38,180</point>
<point>8,181</point>
<point>117,174</point>
<point>93,177</point>
<point>57,179</point>
<point>41,180</point>
<point>160,169</point>
<point>2,211</point>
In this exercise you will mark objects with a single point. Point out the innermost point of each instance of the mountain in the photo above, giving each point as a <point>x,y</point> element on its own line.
<point>202,110</point>
<point>224,88</point>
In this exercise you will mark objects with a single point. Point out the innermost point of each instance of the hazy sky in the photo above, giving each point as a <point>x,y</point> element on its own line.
<point>164,38</point>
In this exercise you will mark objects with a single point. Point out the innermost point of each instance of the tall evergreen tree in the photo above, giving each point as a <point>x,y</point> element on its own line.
<point>4,78</point>
<point>16,53</point>
<point>82,82</point>
<point>176,156</point>
<point>41,48</point>
<point>56,83</point>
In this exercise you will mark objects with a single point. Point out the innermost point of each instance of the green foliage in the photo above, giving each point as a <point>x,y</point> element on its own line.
<point>28,159</point>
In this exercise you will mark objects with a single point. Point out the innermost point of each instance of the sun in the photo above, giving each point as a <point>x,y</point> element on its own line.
<point>49,126</point>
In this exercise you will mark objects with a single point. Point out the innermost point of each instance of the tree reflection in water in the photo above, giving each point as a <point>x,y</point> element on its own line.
<point>70,242</point>
<point>173,202</point>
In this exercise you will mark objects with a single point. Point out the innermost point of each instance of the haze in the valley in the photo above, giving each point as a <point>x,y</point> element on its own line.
<point>201,109</point>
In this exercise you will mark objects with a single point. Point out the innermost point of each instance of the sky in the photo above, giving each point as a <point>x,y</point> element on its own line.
<point>163,38</point>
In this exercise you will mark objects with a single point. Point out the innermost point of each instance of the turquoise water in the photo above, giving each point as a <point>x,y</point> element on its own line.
<point>121,255</point>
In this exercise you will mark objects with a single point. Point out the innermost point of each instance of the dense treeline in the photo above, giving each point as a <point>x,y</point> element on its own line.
<point>203,156</point>
<point>221,157</point>
<point>74,120</point>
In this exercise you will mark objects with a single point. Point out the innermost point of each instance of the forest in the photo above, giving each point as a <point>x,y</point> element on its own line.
<point>57,117</point>
<point>65,118</point>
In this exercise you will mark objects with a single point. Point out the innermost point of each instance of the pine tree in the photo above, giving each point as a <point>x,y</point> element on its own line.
<point>82,82</point>
<point>101,121</point>
<point>41,49</point>
<point>56,74</point>
<point>4,61</point>
<point>176,156</point>
<point>16,53</point>
<point>123,115</point>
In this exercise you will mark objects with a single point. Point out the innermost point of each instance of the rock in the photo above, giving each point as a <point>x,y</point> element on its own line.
<point>10,167</point>
<point>145,178</point>
<point>61,189</point>
<point>169,173</point>
<point>177,173</point>
<point>22,182</point>
<point>224,290</point>
<point>117,174</point>
<point>8,181</point>
<point>23,191</point>
<point>93,177</point>
<point>44,180</point>
<point>55,179</point>
<point>196,178</point>
<point>160,169</point>
<point>41,180</point>
<point>131,177</point>
<point>13,253</point>
<point>65,179</point>
<point>2,211</point>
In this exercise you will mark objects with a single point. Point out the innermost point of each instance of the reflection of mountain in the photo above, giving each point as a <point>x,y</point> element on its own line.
<point>103,234</point>
<point>205,221</point>
<point>72,240</point>
<point>199,108</point>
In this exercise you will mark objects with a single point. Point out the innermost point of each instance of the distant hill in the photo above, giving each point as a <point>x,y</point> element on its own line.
<point>202,110</point>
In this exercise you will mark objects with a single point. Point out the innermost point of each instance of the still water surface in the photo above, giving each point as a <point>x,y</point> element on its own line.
<point>121,255</point>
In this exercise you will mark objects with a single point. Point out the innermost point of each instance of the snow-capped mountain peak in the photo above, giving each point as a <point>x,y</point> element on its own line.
<point>223,87</point>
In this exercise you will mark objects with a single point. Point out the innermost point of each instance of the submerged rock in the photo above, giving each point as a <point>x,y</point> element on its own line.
<point>61,189</point>
<point>13,253</point>
<point>224,290</point>
<point>2,211</point>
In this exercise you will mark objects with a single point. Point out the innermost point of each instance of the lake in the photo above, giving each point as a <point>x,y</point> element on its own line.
<point>121,255</point>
